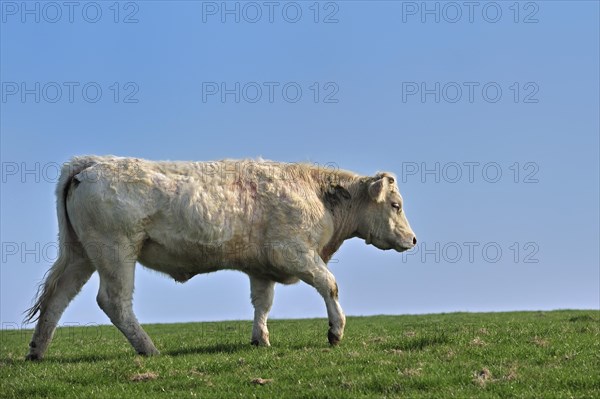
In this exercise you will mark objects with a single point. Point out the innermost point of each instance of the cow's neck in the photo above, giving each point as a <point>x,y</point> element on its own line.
<point>345,219</point>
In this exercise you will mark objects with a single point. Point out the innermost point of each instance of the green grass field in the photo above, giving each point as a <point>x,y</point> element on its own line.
<point>461,355</point>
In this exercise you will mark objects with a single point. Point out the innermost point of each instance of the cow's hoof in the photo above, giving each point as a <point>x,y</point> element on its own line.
<point>153,352</point>
<point>257,342</point>
<point>33,357</point>
<point>333,339</point>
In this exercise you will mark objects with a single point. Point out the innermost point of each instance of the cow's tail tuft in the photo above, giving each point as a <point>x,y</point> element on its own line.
<point>68,243</point>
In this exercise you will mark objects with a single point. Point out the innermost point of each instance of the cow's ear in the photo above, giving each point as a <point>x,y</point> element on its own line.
<point>377,189</point>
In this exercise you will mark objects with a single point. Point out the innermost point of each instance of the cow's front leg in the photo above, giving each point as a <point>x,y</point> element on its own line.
<point>261,294</point>
<point>318,275</point>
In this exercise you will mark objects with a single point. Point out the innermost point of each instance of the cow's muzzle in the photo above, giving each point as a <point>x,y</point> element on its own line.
<point>406,245</point>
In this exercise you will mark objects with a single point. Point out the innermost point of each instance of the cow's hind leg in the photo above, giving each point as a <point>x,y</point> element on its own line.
<point>63,283</point>
<point>115,298</point>
<point>261,293</point>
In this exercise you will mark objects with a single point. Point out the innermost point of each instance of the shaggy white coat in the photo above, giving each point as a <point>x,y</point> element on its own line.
<point>275,222</point>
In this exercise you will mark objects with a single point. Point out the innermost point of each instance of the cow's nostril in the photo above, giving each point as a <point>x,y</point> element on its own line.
<point>414,240</point>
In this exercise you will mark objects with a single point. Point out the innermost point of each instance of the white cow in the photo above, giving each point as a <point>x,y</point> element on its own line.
<point>276,222</point>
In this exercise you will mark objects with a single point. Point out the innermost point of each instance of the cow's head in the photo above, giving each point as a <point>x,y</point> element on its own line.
<point>382,221</point>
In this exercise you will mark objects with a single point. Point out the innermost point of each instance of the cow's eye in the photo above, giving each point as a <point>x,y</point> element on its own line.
<point>396,206</point>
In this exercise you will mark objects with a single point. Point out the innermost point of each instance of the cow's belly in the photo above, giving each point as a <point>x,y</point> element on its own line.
<point>188,261</point>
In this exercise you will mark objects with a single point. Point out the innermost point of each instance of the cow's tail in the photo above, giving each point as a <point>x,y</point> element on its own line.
<point>68,243</point>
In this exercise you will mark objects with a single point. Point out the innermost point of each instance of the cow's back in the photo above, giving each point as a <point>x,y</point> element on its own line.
<point>201,203</point>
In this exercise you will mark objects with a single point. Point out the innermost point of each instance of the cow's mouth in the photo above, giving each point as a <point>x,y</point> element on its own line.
<point>404,246</point>
<point>401,248</point>
<point>386,245</point>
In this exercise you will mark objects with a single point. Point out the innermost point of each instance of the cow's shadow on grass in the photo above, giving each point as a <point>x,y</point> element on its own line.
<point>84,358</point>
<point>209,349</point>
<point>99,357</point>
<point>190,350</point>
<point>94,357</point>
<point>59,359</point>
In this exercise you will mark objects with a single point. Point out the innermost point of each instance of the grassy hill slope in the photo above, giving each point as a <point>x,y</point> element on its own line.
<point>478,355</point>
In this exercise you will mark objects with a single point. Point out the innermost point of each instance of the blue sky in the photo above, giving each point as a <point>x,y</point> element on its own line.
<point>489,116</point>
